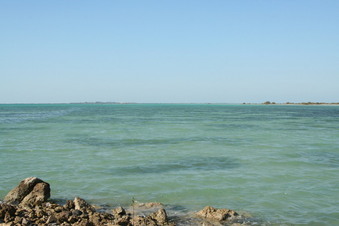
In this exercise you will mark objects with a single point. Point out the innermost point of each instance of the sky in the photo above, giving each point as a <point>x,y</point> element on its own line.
<point>174,51</point>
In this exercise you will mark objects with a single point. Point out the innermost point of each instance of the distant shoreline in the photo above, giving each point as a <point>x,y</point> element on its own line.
<point>208,103</point>
<point>301,103</point>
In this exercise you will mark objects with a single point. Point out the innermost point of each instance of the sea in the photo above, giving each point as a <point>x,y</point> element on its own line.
<point>279,163</point>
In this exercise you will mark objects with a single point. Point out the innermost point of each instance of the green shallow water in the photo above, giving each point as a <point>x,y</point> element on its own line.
<point>280,163</point>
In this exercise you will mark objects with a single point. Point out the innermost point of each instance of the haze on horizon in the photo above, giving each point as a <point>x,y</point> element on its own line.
<point>169,51</point>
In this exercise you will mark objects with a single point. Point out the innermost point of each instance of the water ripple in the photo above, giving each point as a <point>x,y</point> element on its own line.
<point>184,164</point>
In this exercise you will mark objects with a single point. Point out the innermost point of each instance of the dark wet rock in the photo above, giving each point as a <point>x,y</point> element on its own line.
<point>31,191</point>
<point>58,209</point>
<point>76,213</point>
<point>69,205</point>
<point>124,220</point>
<point>72,219</point>
<point>7,213</point>
<point>7,209</point>
<point>212,213</point>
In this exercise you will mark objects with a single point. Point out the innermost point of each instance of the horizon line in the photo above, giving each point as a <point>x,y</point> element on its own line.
<point>226,103</point>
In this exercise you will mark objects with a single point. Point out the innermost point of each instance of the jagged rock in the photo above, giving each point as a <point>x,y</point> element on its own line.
<point>63,216</point>
<point>96,219</point>
<point>18,220</point>
<point>31,190</point>
<point>39,194</point>
<point>65,224</point>
<point>157,218</point>
<point>82,222</point>
<point>160,216</point>
<point>217,214</point>
<point>51,219</point>
<point>40,212</point>
<point>124,220</point>
<point>77,213</point>
<point>72,219</point>
<point>58,209</point>
<point>138,221</point>
<point>81,204</point>
<point>6,209</point>
<point>119,211</point>
<point>69,205</point>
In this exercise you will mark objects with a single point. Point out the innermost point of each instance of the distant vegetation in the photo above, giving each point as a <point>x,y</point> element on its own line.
<point>301,103</point>
<point>313,103</point>
<point>268,102</point>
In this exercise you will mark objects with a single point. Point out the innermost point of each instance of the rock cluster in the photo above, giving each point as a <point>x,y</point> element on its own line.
<point>27,204</point>
<point>74,212</point>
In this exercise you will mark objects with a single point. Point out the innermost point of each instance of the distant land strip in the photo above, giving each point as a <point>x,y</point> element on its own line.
<point>264,103</point>
<point>301,103</point>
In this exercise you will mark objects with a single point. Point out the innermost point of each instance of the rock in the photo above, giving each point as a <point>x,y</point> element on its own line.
<point>6,209</point>
<point>82,222</point>
<point>25,221</point>
<point>51,219</point>
<point>40,192</point>
<point>217,214</point>
<point>58,209</point>
<point>124,220</point>
<point>18,220</point>
<point>8,217</point>
<point>157,218</point>
<point>160,216</point>
<point>149,205</point>
<point>119,211</point>
<point>72,219</point>
<point>40,212</point>
<point>63,216</point>
<point>7,224</point>
<point>96,219</point>
<point>76,213</point>
<point>81,204</point>
<point>138,221</point>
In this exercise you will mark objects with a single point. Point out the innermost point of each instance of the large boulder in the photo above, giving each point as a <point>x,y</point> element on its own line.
<point>30,191</point>
<point>212,213</point>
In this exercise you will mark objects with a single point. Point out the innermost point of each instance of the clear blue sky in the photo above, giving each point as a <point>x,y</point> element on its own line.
<point>169,51</point>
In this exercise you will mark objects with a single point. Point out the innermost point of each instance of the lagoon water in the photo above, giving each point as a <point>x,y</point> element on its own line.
<point>279,163</point>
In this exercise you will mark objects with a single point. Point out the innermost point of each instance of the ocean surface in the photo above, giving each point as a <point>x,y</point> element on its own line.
<point>279,163</point>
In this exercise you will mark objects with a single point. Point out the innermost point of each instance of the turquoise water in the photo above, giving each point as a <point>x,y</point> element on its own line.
<point>280,163</point>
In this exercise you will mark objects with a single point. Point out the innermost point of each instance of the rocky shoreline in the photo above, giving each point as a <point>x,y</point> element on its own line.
<point>29,204</point>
